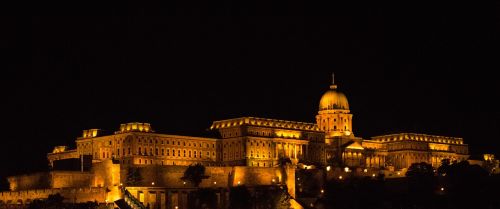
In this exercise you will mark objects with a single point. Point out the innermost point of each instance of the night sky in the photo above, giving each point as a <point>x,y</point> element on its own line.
<point>405,67</point>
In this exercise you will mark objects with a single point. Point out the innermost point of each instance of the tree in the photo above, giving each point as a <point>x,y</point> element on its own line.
<point>421,180</point>
<point>239,198</point>
<point>203,199</point>
<point>133,177</point>
<point>53,201</point>
<point>420,170</point>
<point>444,167</point>
<point>266,197</point>
<point>283,162</point>
<point>281,199</point>
<point>490,166</point>
<point>194,174</point>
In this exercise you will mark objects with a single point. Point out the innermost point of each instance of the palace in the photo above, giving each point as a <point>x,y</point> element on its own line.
<point>261,142</point>
<point>249,150</point>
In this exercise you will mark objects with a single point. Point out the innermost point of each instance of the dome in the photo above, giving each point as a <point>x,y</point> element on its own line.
<point>333,100</point>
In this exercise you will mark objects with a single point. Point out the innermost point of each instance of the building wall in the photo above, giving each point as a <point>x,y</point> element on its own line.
<point>150,148</point>
<point>170,176</point>
<point>61,155</point>
<point>169,191</point>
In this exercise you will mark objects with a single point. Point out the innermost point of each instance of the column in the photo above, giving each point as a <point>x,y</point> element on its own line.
<point>295,151</point>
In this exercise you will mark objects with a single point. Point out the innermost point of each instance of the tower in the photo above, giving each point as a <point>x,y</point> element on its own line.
<point>334,117</point>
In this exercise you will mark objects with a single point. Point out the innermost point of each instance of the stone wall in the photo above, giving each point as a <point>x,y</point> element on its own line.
<point>74,195</point>
<point>170,177</point>
<point>51,180</point>
<point>70,179</point>
<point>30,181</point>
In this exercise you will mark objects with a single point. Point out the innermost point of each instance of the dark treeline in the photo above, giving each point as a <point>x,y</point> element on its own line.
<point>452,186</point>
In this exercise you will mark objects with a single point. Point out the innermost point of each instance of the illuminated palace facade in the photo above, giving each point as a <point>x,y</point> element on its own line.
<point>261,142</point>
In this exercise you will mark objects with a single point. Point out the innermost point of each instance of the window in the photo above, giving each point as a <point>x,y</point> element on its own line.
<point>173,152</point>
<point>162,151</point>
<point>178,143</point>
<point>168,152</point>
<point>184,153</point>
<point>140,161</point>
<point>195,154</point>
<point>140,151</point>
<point>118,152</point>
<point>156,151</point>
<point>334,127</point>
<point>189,153</point>
<point>179,153</point>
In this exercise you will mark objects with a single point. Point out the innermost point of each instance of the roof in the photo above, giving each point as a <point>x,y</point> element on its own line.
<point>264,122</point>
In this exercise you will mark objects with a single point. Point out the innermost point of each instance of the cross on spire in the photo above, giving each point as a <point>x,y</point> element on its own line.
<point>333,86</point>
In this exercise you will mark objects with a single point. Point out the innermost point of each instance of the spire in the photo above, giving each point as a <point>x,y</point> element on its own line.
<point>333,86</point>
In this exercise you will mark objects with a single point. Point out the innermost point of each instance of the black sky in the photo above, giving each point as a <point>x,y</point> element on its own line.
<point>413,67</point>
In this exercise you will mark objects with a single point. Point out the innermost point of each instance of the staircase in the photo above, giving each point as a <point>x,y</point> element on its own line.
<point>129,201</point>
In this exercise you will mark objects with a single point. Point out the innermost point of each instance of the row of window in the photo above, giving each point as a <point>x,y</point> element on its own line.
<point>166,152</point>
<point>178,143</point>
<point>142,141</point>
